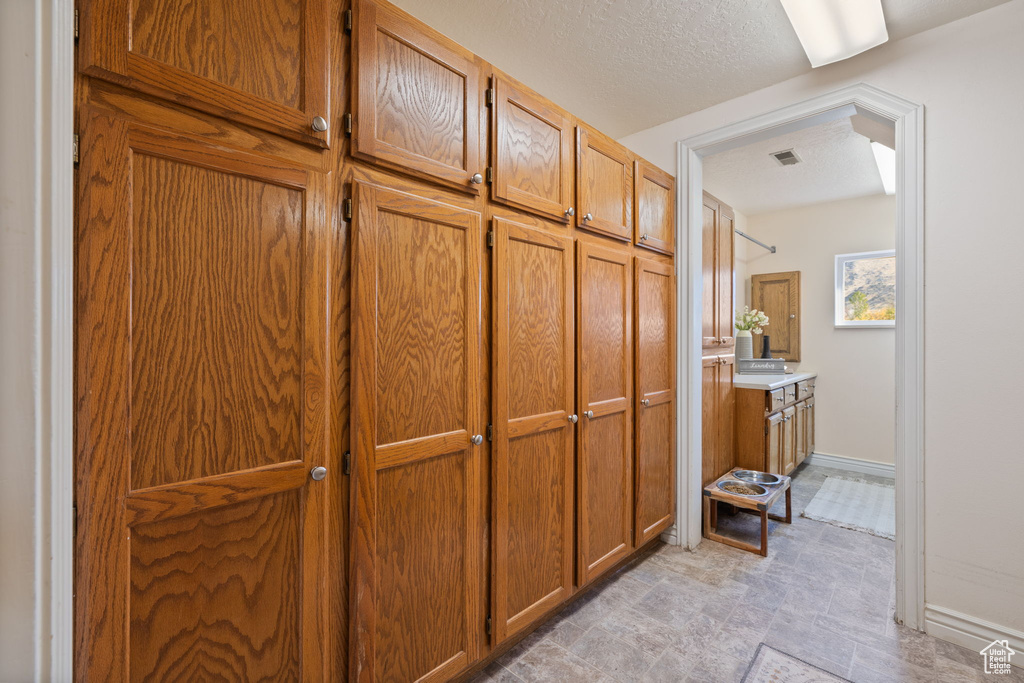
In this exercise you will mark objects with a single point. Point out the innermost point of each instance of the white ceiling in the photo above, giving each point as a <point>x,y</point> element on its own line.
<point>837,164</point>
<point>627,65</point>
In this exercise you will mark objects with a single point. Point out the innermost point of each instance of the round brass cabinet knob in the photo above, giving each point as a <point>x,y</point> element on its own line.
<point>319,124</point>
<point>476,179</point>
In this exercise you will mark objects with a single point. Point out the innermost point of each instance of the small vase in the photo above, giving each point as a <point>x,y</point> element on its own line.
<point>744,344</point>
<point>766,351</point>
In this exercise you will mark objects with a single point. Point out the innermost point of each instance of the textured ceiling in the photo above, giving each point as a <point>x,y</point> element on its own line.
<point>837,164</point>
<point>627,65</point>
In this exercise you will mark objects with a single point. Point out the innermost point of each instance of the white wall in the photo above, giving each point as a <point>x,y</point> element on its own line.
<point>856,367</point>
<point>970,76</point>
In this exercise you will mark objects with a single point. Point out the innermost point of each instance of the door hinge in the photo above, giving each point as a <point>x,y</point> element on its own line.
<point>74,521</point>
<point>346,209</point>
<point>76,24</point>
<point>487,625</point>
<point>490,174</point>
<point>346,124</point>
<point>74,148</point>
<point>490,432</point>
<point>346,463</point>
<point>346,21</point>
<point>489,96</point>
<point>490,238</point>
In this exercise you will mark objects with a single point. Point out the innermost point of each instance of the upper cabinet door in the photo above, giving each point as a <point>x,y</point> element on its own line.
<point>604,180</point>
<point>417,99</point>
<point>533,385</point>
<point>532,147</point>
<point>417,540</point>
<point>654,203</point>
<point>201,412</point>
<point>260,62</point>
<point>724,270</point>
<point>709,273</point>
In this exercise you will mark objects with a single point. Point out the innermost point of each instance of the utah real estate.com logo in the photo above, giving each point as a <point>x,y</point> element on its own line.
<point>997,657</point>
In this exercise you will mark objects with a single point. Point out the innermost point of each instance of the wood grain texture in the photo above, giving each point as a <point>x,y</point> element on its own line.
<point>725,419</point>
<point>123,280</point>
<point>655,361</point>
<point>264,63</point>
<point>417,98</point>
<point>725,273</point>
<point>654,202</point>
<point>788,456</point>
<point>778,295</point>
<point>604,487</point>
<point>532,396</point>
<point>709,424</point>
<point>604,184</point>
<point>532,148</point>
<point>709,299</point>
<point>416,533</point>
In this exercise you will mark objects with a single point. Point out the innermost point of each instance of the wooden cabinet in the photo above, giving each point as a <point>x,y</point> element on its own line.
<point>417,536</point>
<point>261,62</point>
<point>778,295</point>
<point>532,143</point>
<point>655,399</point>
<point>654,218</point>
<point>201,409</point>
<point>605,384</point>
<point>718,416</point>
<point>718,271</point>
<point>533,445</point>
<point>775,427</point>
<point>416,99</point>
<point>604,184</point>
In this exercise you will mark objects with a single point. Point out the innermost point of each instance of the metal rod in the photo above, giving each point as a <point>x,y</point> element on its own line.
<point>757,242</point>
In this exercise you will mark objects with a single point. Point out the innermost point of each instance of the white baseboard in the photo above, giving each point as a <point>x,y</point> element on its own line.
<point>970,632</point>
<point>841,462</point>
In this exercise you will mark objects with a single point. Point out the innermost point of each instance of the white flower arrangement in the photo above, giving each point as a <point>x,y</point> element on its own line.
<point>752,320</point>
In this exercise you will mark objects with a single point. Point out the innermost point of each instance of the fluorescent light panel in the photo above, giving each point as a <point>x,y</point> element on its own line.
<point>885,159</point>
<point>833,30</point>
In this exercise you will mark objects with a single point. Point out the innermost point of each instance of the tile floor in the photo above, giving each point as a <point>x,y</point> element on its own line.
<point>823,594</point>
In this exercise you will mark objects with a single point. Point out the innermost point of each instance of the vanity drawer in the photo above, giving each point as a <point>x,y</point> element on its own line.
<point>790,393</point>
<point>776,400</point>
<point>804,389</point>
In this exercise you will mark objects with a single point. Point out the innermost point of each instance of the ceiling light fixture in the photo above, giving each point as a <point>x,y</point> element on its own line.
<point>885,159</point>
<point>833,30</point>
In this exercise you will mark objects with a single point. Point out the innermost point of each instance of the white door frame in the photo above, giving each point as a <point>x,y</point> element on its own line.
<point>908,119</point>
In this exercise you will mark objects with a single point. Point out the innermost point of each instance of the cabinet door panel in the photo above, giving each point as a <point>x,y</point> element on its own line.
<point>200,411</point>
<point>417,98</point>
<point>654,219</point>
<point>260,62</point>
<point>605,361</point>
<point>709,307</point>
<point>775,443</point>
<point>724,274</point>
<point>788,440</point>
<point>778,295</point>
<point>726,417</point>
<point>417,535</point>
<point>604,178</point>
<point>810,426</point>
<point>709,419</point>
<point>532,147</point>
<point>533,382</point>
<point>655,392</point>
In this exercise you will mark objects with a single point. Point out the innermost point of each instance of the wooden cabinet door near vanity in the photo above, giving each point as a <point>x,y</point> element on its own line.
<point>604,185</point>
<point>654,201</point>
<point>778,295</point>
<point>202,403</point>
<point>605,384</point>
<point>259,62</point>
<point>416,99</point>
<point>533,383</point>
<point>418,538</point>
<point>655,399</point>
<point>717,245</point>
<point>788,440</point>
<point>532,148</point>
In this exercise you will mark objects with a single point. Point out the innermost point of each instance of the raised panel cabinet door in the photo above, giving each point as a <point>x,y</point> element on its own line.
<point>774,427</point>
<point>788,440</point>
<point>604,485</point>
<point>416,98</point>
<point>724,265</point>
<point>801,433</point>
<point>810,426</point>
<point>533,382</point>
<point>778,295</point>
<point>726,417</point>
<point>417,534</point>
<point>710,433</point>
<point>655,397</point>
<point>654,203</point>
<point>709,247</point>
<point>604,185</point>
<point>532,147</point>
<point>201,404</point>
<point>261,62</point>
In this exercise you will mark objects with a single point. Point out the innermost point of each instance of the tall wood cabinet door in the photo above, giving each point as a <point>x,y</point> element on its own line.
<point>416,98</point>
<point>417,536</point>
<point>710,433</point>
<point>532,147</point>
<point>788,440</point>
<point>709,247</point>
<point>778,295</point>
<point>774,441</point>
<point>654,203</point>
<point>655,398</point>
<point>801,433</point>
<point>604,185</point>
<point>810,426</point>
<point>533,385</point>
<point>260,62</point>
<point>201,409</point>
<point>605,385</point>
<point>726,417</point>
<point>724,269</point>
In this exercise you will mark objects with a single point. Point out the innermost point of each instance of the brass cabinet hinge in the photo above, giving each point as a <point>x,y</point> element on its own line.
<point>74,148</point>
<point>490,238</point>
<point>487,625</point>
<point>346,124</point>
<point>490,174</point>
<point>76,24</point>
<point>346,463</point>
<point>490,432</point>
<point>74,521</point>
<point>346,209</point>
<point>489,96</point>
<point>346,21</point>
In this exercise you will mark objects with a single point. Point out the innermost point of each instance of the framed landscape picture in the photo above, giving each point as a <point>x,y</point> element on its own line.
<point>866,289</point>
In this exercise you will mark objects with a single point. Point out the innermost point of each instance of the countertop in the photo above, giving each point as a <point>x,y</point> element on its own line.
<point>769,382</point>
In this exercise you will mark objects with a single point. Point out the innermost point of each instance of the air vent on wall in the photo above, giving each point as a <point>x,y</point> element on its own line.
<point>786,157</point>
